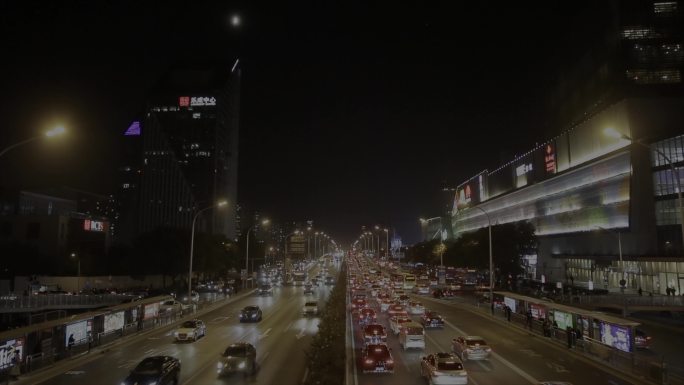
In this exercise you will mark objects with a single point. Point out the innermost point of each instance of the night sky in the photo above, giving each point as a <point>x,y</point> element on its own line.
<point>382,103</point>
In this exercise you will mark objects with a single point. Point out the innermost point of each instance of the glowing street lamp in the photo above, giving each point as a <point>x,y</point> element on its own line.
<point>192,240</point>
<point>54,132</point>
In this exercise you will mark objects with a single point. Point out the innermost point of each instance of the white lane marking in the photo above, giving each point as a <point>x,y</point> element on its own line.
<point>288,326</point>
<point>557,367</point>
<point>261,336</point>
<point>504,361</point>
<point>153,338</point>
<point>300,334</point>
<point>148,352</point>
<point>351,325</point>
<point>263,356</point>
<point>306,374</point>
<point>75,372</point>
<point>219,319</point>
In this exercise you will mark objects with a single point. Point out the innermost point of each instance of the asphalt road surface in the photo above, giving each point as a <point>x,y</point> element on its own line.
<point>281,339</point>
<point>518,357</point>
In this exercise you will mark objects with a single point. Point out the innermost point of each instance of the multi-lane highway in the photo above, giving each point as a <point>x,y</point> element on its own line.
<point>281,339</point>
<point>518,357</point>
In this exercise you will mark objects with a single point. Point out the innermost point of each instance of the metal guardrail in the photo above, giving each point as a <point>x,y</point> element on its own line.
<point>64,301</point>
<point>629,299</point>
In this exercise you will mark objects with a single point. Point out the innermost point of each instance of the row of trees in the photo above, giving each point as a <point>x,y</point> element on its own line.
<point>162,251</point>
<point>327,351</point>
<point>510,242</point>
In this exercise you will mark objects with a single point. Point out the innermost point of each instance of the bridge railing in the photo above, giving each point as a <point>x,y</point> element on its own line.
<point>630,299</point>
<point>57,300</point>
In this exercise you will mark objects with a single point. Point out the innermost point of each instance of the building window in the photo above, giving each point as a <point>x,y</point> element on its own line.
<point>664,183</point>
<point>665,7</point>
<point>638,32</point>
<point>672,148</point>
<point>667,212</point>
<point>666,76</point>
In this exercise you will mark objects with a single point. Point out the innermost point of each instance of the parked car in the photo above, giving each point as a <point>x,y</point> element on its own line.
<point>250,314</point>
<point>190,330</point>
<point>160,370</point>
<point>471,348</point>
<point>443,369</point>
<point>238,357</point>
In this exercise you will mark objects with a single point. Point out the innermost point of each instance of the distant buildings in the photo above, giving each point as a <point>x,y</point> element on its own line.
<point>595,199</point>
<point>188,155</point>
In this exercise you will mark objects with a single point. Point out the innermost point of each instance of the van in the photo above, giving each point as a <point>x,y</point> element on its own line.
<point>412,335</point>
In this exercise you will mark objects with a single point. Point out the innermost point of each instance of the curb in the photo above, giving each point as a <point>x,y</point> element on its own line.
<point>67,364</point>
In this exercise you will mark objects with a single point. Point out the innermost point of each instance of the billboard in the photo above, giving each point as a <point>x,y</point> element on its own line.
<point>151,311</point>
<point>79,330</point>
<point>538,311</point>
<point>91,225</point>
<point>616,336</point>
<point>296,244</point>
<point>11,352</point>
<point>470,193</point>
<point>114,321</point>
<point>562,319</point>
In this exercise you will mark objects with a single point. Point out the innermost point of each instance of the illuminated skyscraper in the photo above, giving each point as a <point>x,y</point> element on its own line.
<point>190,150</point>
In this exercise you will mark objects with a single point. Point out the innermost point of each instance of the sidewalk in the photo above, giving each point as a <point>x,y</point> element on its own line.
<point>70,363</point>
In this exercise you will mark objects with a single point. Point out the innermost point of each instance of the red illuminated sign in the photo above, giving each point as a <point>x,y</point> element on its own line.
<point>184,101</point>
<point>550,158</point>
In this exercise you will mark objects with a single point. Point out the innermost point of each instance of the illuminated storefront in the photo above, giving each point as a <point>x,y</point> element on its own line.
<point>592,197</point>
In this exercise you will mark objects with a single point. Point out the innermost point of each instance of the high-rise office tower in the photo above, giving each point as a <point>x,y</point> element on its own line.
<point>190,151</point>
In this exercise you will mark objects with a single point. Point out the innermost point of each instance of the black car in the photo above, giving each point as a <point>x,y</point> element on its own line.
<point>160,370</point>
<point>250,314</point>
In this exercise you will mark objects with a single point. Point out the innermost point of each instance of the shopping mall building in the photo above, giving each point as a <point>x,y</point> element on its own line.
<point>601,196</point>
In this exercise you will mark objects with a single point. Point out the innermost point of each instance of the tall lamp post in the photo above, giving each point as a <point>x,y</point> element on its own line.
<point>613,133</point>
<point>57,131</point>
<point>491,261</point>
<point>386,243</point>
<point>192,242</point>
<point>78,274</point>
<point>264,222</point>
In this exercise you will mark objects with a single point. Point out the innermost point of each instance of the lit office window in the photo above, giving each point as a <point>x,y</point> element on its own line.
<point>665,7</point>
<point>672,148</point>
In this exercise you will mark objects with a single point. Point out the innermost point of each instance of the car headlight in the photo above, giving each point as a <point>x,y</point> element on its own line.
<point>242,365</point>
<point>153,383</point>
<point>254,315</point>
<point>219,365</point>
<point>175,334</point>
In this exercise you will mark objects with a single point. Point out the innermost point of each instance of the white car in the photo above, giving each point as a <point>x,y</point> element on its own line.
<point>471,348</point>
<point>396,322</point>
<point>385,304</point>
<point>416,308</point>
<point>190,330</point>
<point>443,369</point>
<point>310,308</point>
<point>172,306</point>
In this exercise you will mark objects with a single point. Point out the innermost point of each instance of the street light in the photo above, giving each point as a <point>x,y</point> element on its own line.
<point>491,263</point>
<point>56,131</point>
<point>386,242</point>
<point>613,133</point>
<point>264,223</point>
<point>192,242</point>
<point>78,279</point>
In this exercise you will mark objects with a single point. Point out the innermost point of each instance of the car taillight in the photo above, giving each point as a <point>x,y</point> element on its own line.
<point>390,361</point>
<point>369,361</point>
